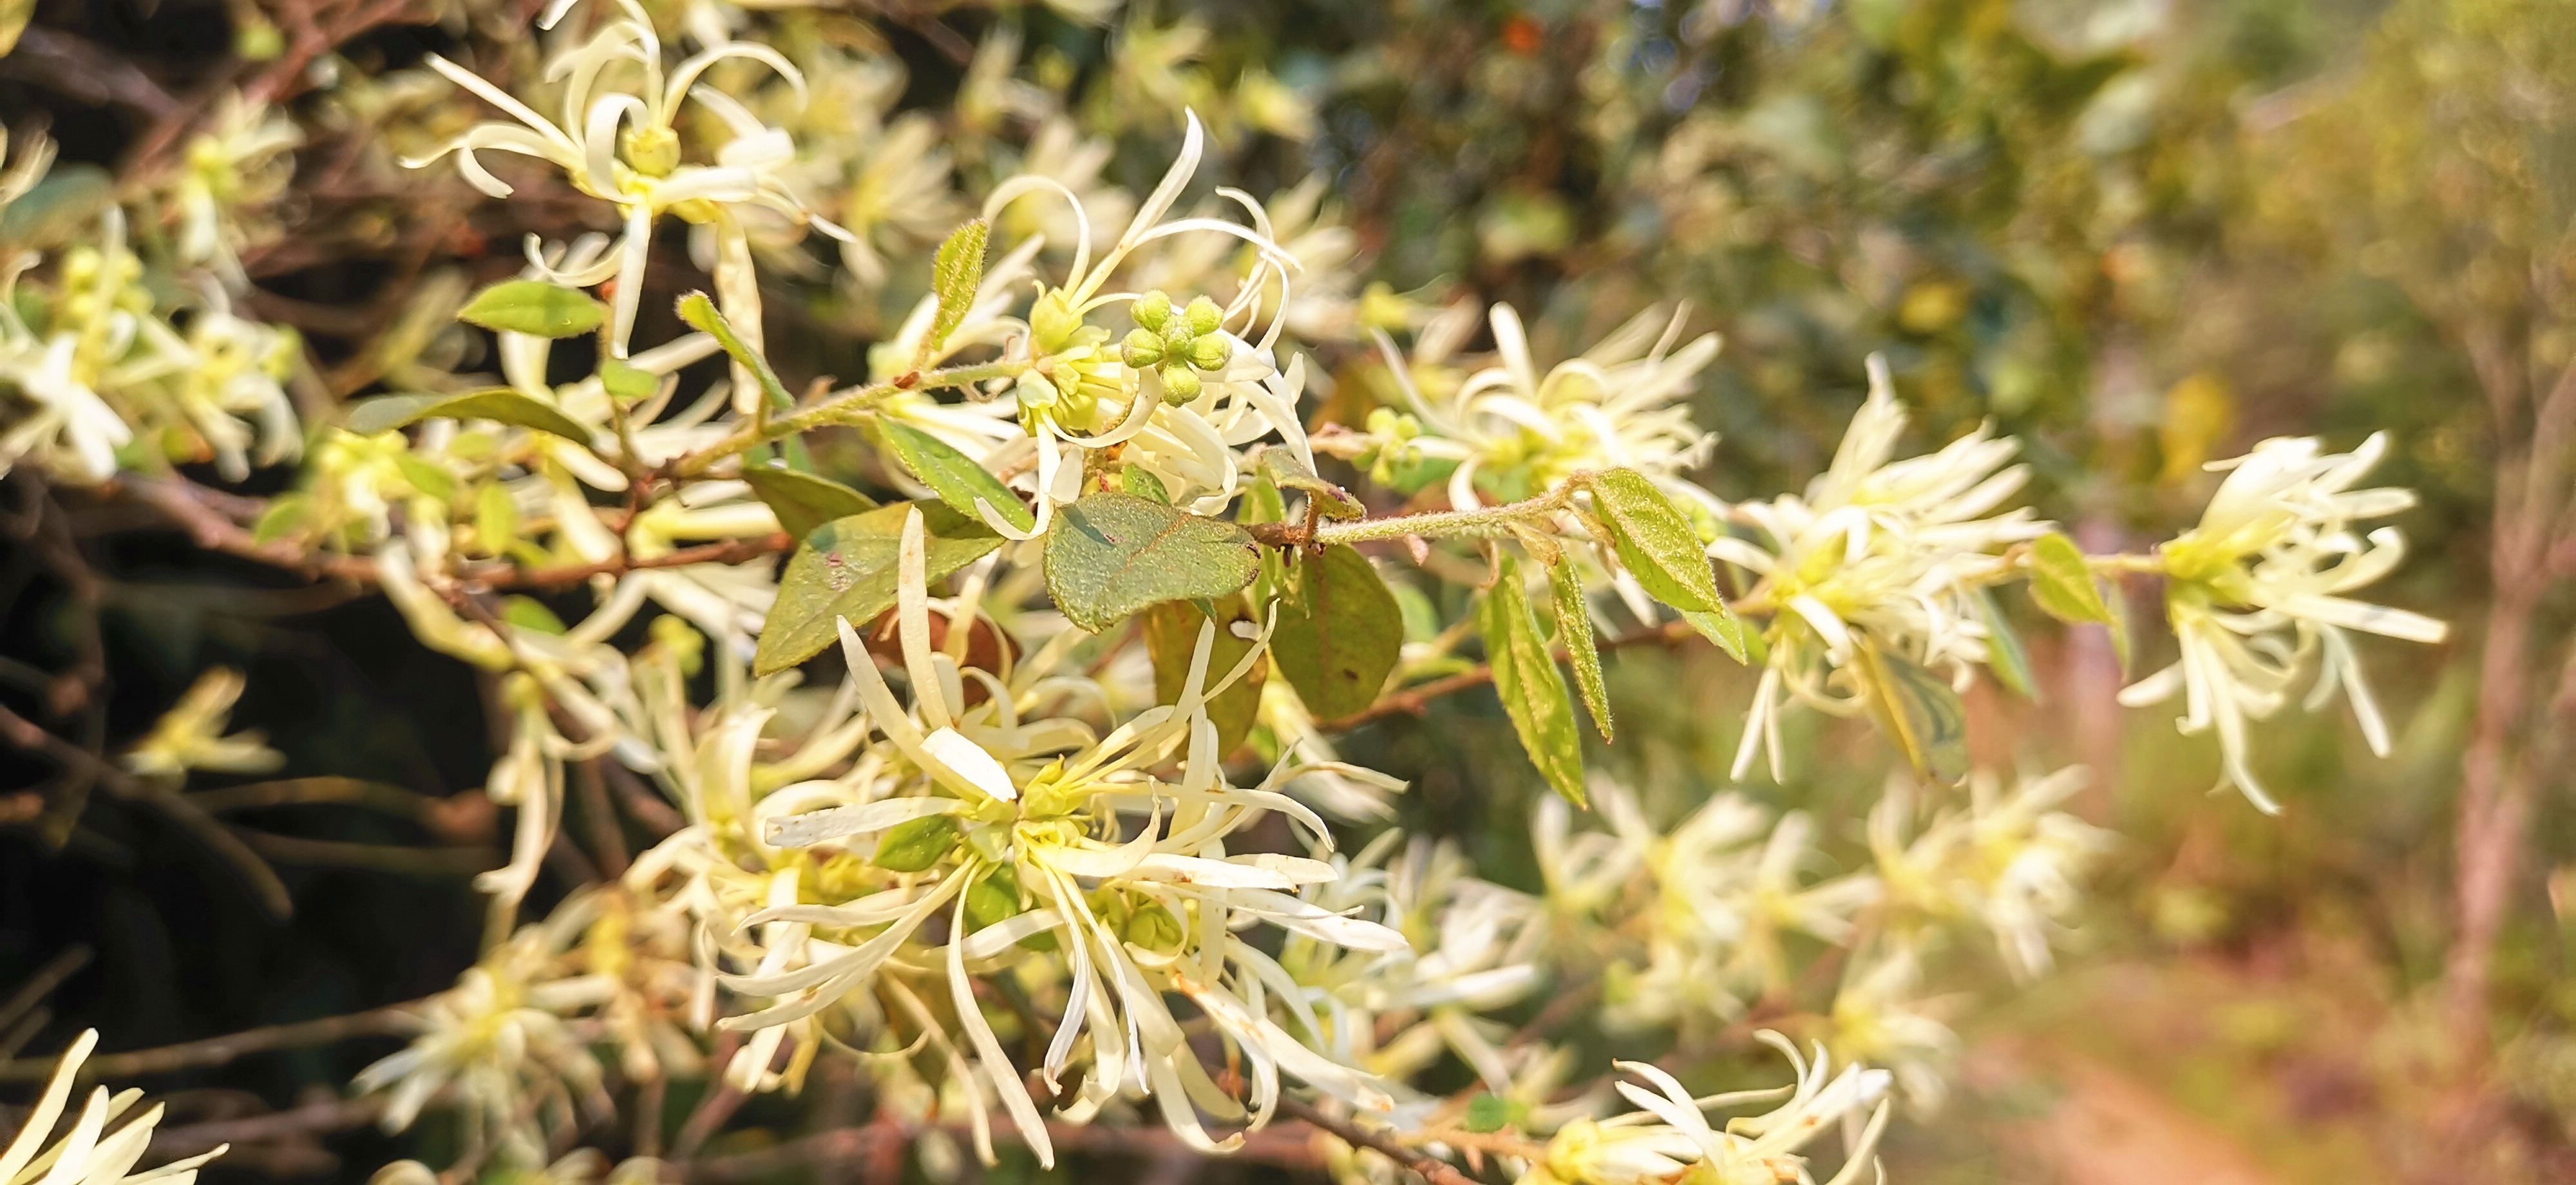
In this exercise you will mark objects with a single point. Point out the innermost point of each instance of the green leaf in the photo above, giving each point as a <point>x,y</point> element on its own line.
<point>846,568</point>
<point>385,413</point>
<point>1658,546</point>
<point>1488,1113</point>
<point>953,475</point>
<point>703,316</point>
<point>626,382</point>
<point>496,519</point>
<point>1339,632</point>
<point>534,307</point>
<point>915,844</point>
<point>2005,654</point>
<point>426,478</point>
<point>527,612</point>
<point>1526,679</point>
<point>803,501</point>
<point>2062,583</point>
<point>1288,473</point>
<point>1112,554</point>
<point>1140,481</point>
<point>286,514</point>
<point>1574,633</point>
<point>1172,635</point>
<point>954,275</point>
<point>1918,711</point>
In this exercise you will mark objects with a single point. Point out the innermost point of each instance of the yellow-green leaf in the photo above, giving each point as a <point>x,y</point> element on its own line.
<point>1658,545</point>
<point>534,307</point>
<point>529,613</point>
<point>626,382</point>
<point>2063,583</point>
<point>496,518</point>
<point>1918,711</point>
<point>804,501</point>
<point>2004,652</point>
<point>953,475</point>
<point>846,568</point>
<point>1172,636</point>
<point>1339,632</point>
<point>954,275</point>
<point>1288,473</point>
<point>385,413</point>
<point>1574,633</point>
<point>1526,680</point>
<point>1140,481</point>
<point>1111,554</point>
<point>702,315</point>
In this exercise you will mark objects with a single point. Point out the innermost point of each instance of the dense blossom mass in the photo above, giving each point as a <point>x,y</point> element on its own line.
<point>1024,790</point>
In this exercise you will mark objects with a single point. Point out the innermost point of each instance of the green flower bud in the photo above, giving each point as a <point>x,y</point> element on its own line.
<point>1176,336</point>
<point>1180,383</point>
<point>1153,309</point>
<point>1143,348</point>
<point>1053,322</point>
<point>651,149</point>
<point>1204,317</point>
<point>1152,927</point>
<point>1210,352</point>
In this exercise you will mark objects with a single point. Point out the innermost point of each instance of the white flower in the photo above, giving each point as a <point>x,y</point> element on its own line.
<point>1670,1136</point>
<point>88,1153</point>
<point>623,146</point>
<point>191,734</point>
<point>2010,861</point>
<point>2257,590</point>
<point>1879,554</point>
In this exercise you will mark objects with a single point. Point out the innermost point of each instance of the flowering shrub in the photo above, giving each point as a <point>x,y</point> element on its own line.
<point>995,701</point>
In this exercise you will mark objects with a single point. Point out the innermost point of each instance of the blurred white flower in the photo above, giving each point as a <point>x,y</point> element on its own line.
<point>88,1153</point>
<point>191,735</point>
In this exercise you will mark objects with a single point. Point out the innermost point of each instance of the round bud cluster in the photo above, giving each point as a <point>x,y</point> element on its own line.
<point>1178,346</point>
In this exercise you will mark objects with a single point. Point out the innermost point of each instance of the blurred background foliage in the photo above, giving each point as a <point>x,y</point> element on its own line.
<point>2136,233</point>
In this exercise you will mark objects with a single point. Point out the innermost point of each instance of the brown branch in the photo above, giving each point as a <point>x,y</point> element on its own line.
<point>398,859</point>
<point>391,1020</point>
<point>70,65</point>
<point>1285,1145</point>
<point>1431,1168</point>
<point>42,984</point>
<point>311,1119</point>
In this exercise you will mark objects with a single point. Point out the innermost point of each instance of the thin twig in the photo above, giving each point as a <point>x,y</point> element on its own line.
<point>1412,700</point>
<point>1431,1168</point>
<point>310,1119</point>
<point>393,1019</point>
<point>42,984</point>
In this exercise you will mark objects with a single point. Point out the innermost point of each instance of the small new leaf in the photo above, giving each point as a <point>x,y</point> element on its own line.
<point>534,307</point>
<point>953,475</point>
<point>626,382</point>
<point>1526,679</point>
<point>2004,652</point>
<point>846,568</point>
<point>2063,583</point>
<point>803,501</point>
<point>1111,554</point>
<point>385,413</point>
<point>954,276</point>
<point>702,315</point>
<point>1658,546</point>
<point>1574,633</point>
<point>1917,711</point>
<point>1332,501</point>
<point>1172,635</point>
<point>1339,632</point>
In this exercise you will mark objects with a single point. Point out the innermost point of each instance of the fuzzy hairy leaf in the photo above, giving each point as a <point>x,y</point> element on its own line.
<point>1527,681</point>
<point>954,275</point>
<point>1111,554</point>
<point>1658,546</point>
<point>1339,632</point>
<point>534,307</point>
<point>953,475</point>
<point>1288,473</point>
<point>1172,635</point>
<point>1574,633</point>
<point>846,568</point>
<point>385,413</point>
<point>803,501</point>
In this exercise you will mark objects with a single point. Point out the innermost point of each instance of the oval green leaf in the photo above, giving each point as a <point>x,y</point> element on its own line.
<point>804,501</point>
<point>534,307</point>
<point>1574,633</point>
<point>1658,546</point>
<point>1111,554</point>
<point>955,477</point>
<point>1526,679</point>
<point>1339,632</point>
<point>502,404</point>
<point>2062,582</point>
<point>846,568</point>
